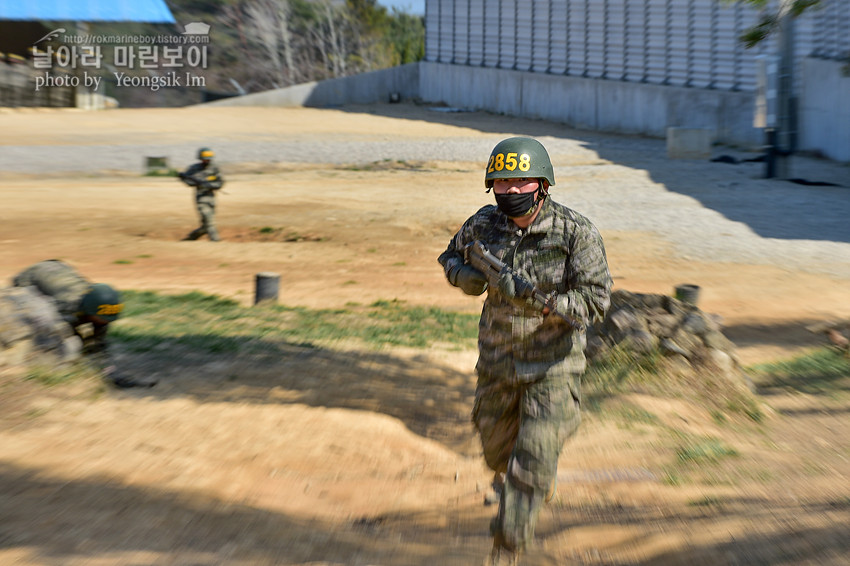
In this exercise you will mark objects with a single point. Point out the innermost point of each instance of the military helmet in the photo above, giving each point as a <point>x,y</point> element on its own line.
<point>519,157</point>
<point>102,301</point>
<point>205,153</point>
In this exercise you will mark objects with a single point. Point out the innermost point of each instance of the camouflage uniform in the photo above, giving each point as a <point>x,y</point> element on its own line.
<point>32,331</point>
<point>530,365</point>
<point>65,287</point>
<point>206,178</point>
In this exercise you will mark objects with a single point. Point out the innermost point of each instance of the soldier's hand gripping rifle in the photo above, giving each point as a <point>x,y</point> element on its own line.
<point>478,256</point>
<point>188,179</point>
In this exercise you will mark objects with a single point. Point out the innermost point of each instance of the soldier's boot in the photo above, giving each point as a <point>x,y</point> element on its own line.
<point>500,555</point>
<point>213,233</point>
<point>194,234</point>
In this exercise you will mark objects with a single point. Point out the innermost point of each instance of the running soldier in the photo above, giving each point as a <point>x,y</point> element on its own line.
<point>527,400</point>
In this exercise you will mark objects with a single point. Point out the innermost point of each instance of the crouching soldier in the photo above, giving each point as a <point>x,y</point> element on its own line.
<point>86,307</point>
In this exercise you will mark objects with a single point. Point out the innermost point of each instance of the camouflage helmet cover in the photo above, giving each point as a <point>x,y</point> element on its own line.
<point>102,301</point>
<point>205,153</point>
<point>516,158</point>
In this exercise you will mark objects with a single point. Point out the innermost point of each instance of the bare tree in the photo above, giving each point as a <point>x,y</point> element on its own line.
<point>276,43</point>
<point>267,22</point>
<point>328,30</point>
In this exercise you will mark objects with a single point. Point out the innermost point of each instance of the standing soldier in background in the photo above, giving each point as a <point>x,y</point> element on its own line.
<point>87,308</point>
<point>531,352</point>
<point>206,179</point>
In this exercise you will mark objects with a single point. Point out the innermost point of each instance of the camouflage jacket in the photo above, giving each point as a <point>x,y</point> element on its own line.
<point>206,179</point>
<point>65,287</point>
<point>60,282</point>
<point>560,251</point>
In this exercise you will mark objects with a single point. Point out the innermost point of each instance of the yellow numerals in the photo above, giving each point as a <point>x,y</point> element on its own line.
<point>110,309</point>
<point>509,161</point>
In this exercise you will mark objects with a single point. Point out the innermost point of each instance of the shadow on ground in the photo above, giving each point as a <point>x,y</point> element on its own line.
<point>60,521</point>
<point>792,335</point>
<point>432,399</point>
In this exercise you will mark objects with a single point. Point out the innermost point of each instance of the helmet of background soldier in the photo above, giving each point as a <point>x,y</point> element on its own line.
<point>519,157</point>
<point>103,302</point>
<point>205,154</point>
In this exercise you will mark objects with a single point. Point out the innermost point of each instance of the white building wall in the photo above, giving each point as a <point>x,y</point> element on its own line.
<point>670,42</point>
<point>825,109</point>
<point>683,45</point>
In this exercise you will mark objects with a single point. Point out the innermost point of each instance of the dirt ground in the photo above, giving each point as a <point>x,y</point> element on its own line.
<point>362,457</point>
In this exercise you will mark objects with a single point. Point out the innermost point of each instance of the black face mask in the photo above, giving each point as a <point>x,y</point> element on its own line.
<point>517,204</point>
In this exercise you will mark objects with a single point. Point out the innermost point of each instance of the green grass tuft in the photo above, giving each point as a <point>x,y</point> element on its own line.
<point>218,325</point>
<point>824,371</point>
<point>704,450</point>
<point>50,376</point>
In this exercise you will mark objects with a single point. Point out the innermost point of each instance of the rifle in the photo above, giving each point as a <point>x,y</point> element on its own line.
<point>193,182</point>
<point>478,256</point>
<point>188,179</point>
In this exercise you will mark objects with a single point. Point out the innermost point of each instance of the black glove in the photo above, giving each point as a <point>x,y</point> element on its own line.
<point>470,280</point>
<point>517,289</point>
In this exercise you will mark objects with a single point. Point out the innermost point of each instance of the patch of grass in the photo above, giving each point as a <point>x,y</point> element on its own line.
<point>624,370</point>
<point>821,372</point>
<point>747,406</point>
<point>144,256</point>
<point>123,261</point>
<point>718,417</point>
<point>50,376</point>
<point>707,501</point>
<point>698,459</point>
<point>630,415</point>
<point>672,477</point>
<point>213,324</point>
<point>703,450</point>
<point>621,371</point>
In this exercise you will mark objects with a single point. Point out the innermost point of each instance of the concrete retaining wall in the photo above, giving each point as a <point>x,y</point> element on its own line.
<point>364,88</point>
<point>594,104</point>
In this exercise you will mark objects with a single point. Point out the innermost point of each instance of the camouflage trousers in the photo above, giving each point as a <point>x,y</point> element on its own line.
<point>523,428</point>
<point>206,212</point>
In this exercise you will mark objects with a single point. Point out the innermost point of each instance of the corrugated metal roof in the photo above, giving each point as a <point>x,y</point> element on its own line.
<point>87,10</point>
